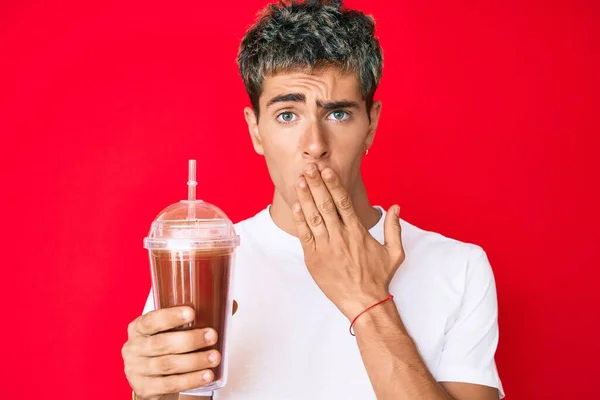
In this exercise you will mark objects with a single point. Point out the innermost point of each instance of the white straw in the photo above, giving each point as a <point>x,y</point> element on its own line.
<point>192,189</point>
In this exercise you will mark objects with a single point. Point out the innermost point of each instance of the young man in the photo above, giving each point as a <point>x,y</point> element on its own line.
<point>321,254</point>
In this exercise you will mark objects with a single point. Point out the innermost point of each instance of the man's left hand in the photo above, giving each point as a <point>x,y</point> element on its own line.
<point>350,266</point>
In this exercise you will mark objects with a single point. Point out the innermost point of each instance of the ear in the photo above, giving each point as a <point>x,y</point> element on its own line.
<point>252,122</point>
<point>375,113</point>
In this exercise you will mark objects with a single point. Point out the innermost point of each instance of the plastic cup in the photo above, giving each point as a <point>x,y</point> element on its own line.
<point>191,246</point>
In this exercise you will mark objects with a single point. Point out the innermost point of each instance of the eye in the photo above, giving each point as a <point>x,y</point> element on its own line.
<point>339,115</point>
<point>286,117</point>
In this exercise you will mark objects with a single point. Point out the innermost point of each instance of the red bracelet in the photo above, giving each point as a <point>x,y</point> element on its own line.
<point>390,297</point>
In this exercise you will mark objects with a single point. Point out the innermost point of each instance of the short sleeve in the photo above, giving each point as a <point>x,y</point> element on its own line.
<point>468,354</point>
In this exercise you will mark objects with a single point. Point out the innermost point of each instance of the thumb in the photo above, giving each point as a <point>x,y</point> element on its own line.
<point>392,232</point>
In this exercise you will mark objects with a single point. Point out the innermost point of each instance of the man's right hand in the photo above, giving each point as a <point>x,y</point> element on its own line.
<point>159,363</point>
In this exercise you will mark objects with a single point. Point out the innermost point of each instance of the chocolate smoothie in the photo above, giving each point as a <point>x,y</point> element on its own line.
<point>199,279</point>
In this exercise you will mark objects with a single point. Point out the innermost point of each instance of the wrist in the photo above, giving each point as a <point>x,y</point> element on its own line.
<point>380,320</point>
<point>359,303</point>
<point>170,396</point>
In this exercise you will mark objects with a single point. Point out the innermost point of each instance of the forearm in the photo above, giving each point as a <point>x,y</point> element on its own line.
<point>391,358</point>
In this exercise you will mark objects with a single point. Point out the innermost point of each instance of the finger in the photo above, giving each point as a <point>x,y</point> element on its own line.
<point>341,198</point>
<point>180,363</point>
<point>392,231</point>
<point>176,342</point>
<point>322,198</point>
<point>153,386</point>
<point>312,216</point>
<point>160,320</point>
<point>304,233</point>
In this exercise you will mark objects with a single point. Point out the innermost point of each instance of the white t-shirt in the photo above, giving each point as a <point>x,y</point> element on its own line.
<point>289,342</point>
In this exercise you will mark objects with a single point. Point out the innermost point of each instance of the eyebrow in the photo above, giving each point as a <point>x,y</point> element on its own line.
<point>332,105</point>
<point>300,98</point>
<point>296,97</point>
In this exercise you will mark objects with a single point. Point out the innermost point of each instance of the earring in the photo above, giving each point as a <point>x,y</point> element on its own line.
<point>366,152</point>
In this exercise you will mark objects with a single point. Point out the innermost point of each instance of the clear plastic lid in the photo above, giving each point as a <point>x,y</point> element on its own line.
<point>191,224</point>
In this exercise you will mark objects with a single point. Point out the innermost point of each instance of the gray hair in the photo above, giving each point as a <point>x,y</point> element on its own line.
<point>309,35</point>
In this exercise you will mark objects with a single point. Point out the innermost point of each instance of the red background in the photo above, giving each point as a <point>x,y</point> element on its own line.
<point>489,134</point>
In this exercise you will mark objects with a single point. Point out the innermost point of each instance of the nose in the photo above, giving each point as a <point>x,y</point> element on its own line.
<point>314,143</point>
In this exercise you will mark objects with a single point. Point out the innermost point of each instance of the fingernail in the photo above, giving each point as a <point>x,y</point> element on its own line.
<point>206,376</point>
<point>212,357</point>
<point>186,314</point>
<point>327,174</point>
<point>302,183</point>
<point>297,207</point>
<point>209,335</point>
<point>310,170</point>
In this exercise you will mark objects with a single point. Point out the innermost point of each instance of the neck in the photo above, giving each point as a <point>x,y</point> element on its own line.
<point>281,212</point>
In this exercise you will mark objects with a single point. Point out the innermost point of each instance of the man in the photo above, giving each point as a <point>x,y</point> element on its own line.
<point>321,255</point>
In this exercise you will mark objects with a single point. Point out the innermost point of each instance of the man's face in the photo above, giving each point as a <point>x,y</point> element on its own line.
<point>316,118</point>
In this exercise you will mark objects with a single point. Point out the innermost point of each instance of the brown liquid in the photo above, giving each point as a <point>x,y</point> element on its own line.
<point>199,279</point>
